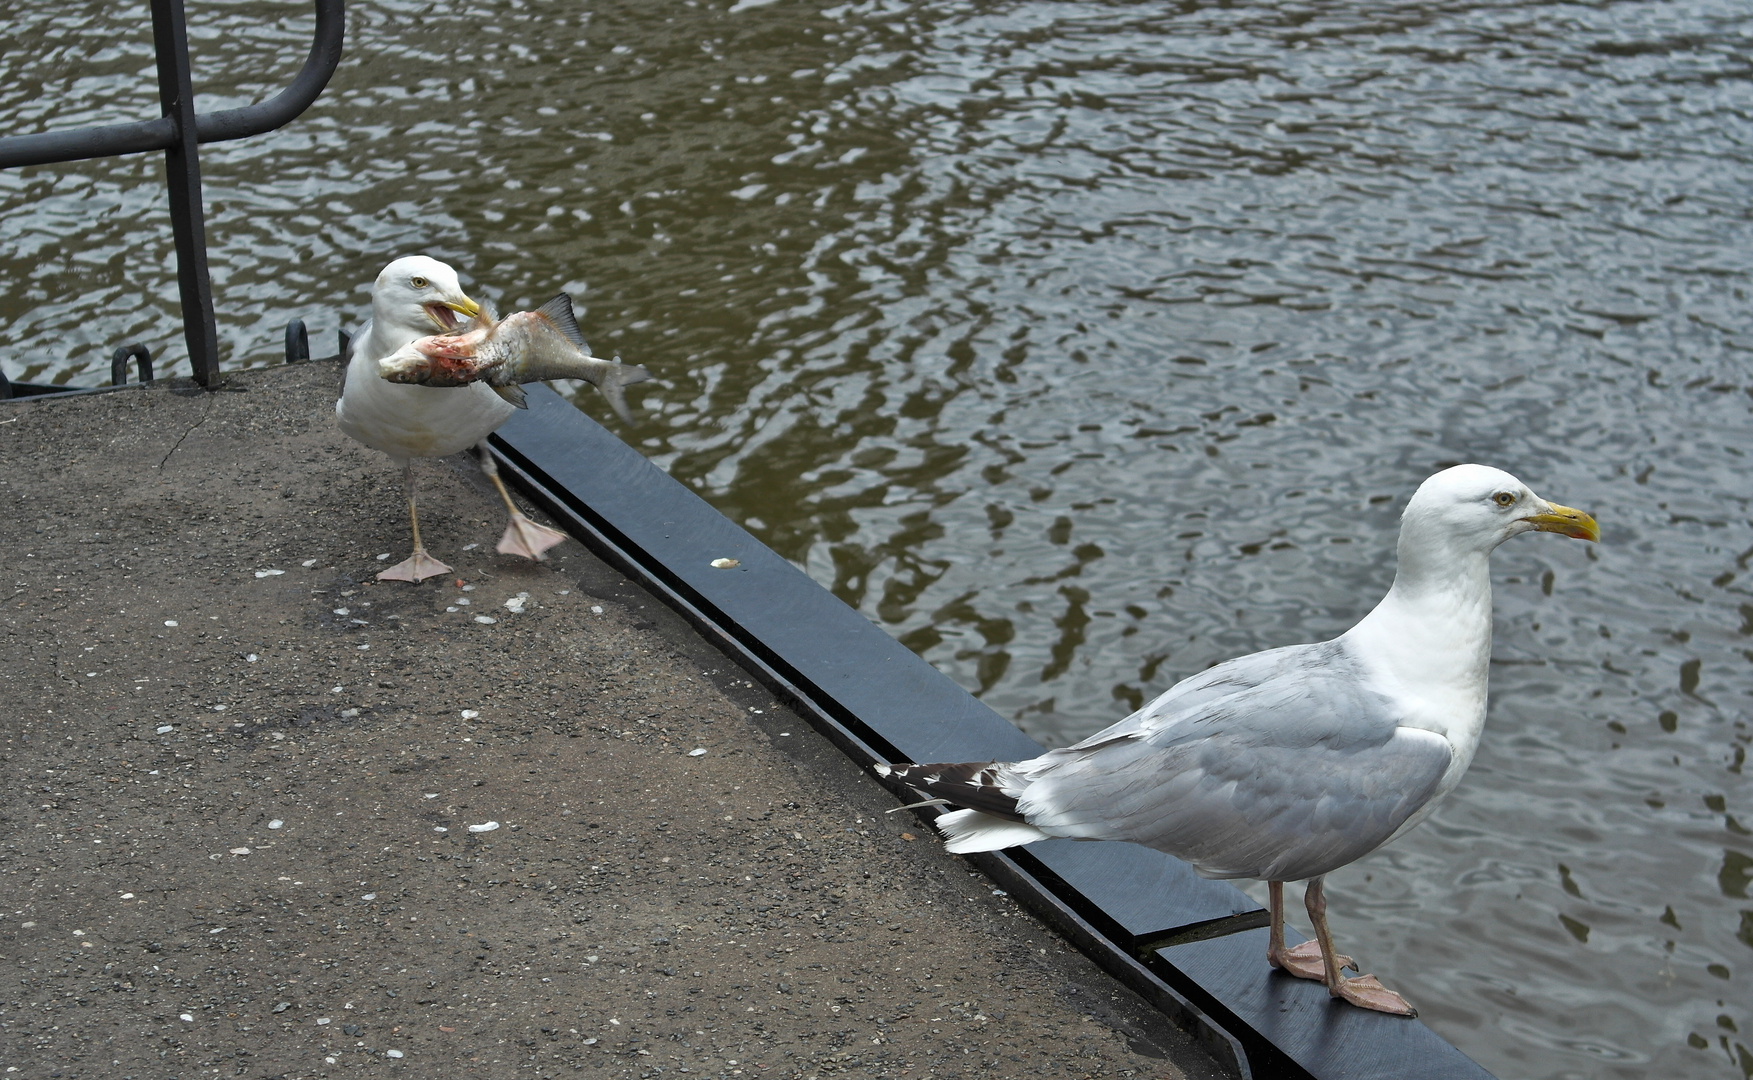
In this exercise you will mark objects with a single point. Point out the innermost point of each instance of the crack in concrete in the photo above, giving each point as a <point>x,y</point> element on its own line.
<point>205,413</point>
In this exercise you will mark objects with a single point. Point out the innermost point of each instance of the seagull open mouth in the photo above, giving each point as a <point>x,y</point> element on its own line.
<point>443,315</point>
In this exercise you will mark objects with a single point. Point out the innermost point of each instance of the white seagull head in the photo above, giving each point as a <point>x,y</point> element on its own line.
<point>417,295</point>
<point>1473,508</point>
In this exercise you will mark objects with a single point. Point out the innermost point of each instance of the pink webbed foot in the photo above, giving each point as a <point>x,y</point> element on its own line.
<point>1367,992</point>
<point>525,537</point>
<point>1304,961</point>
<point>416,567</point>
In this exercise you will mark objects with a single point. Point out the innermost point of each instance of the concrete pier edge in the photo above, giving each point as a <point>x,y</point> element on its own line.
<point>879,702</point>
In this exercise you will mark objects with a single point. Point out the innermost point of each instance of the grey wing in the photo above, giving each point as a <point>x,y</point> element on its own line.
<point>1186,698</point>
<point>347,353</point>
<point>1298,769</point>
<point>353,342</point>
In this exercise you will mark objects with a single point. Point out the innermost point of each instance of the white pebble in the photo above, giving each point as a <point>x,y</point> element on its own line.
<point>565,592</point>
<point>470,547</point>
<point>439,828</point>
<point>362,647</point>
<point>240,851</point>
<point>276,824</point>
<point>269,573</point>
<point>429,795</point>
<point>170,622</point>
<point>321,1020</point>
<point>486,620</point>
<point>698,751</point>
<point>186,1018</point>
<point>453,607</point>
<point>162,728</point>
<point>515,604</point>
<point>596,609</point>
<point>384,557</point>
<point>252,658</point>
<point>470,714</point>
<point>725,564</point>
<point>127,896</point>
<point>219,708</point>
<point>343,611</point>
<point>308,563</point>
<point>488,826</point>
<point>468,588</point>
<point>335,689</point>
<point>369,896</point>
<point>392,1053</point>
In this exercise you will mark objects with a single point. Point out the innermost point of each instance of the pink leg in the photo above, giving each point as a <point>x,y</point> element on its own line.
<point>419,565</point>
<point>1365,991</point>
<point>1304,961</point>
<point>522,536</point>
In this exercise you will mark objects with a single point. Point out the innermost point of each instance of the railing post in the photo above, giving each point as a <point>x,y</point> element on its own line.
<point>182,168</point>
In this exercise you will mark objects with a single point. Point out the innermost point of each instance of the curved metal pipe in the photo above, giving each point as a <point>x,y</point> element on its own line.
<point>160,134</point>
<point>277,111</point>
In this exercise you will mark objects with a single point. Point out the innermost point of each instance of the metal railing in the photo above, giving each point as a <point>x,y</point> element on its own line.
<point>178,132</point>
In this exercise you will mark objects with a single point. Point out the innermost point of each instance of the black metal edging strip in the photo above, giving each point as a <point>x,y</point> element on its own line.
<point>878,701</point>
<point>1002,867</point>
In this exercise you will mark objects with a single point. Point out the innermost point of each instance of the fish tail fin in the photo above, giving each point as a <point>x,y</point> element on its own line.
<point>559,312</point>
<point>513,393</point>
<point>614,377</point>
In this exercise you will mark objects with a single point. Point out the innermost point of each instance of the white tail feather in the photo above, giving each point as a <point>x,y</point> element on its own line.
<point>967,831</point>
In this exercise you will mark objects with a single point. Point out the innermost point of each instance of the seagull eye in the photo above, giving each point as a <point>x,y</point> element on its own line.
<point>1504,498</point>
<point>417,282</point>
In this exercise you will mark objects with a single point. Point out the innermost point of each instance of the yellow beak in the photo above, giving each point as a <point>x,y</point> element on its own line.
<point>464,307</point>
<point>1572,523</point>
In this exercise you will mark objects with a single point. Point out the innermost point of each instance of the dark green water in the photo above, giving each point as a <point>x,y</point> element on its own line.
<point>1083,345</point>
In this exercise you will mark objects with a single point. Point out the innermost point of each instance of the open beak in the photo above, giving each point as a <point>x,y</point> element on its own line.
<point>1572,523</point>
<point>441,312</point>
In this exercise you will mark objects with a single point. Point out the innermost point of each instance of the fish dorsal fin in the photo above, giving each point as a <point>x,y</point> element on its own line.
<point>559,312</point>
<point>513,393</point>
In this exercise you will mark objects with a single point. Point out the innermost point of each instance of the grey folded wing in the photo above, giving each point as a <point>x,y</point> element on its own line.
<point>1282,765</point>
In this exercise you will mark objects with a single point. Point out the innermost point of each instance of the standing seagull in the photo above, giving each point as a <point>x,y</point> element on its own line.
<point>1288,764</point>
<point>416,296</point>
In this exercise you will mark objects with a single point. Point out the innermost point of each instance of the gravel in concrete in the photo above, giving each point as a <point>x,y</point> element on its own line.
<point>248,790</point>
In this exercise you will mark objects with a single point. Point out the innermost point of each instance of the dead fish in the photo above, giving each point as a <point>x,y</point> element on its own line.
<point>525,346</point>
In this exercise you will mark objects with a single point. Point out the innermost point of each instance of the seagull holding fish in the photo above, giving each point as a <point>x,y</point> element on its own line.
<point>1288,764</point>
<point>416,301</point>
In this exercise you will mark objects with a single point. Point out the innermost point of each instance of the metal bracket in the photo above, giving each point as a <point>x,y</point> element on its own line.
<point>298,344</point>
<point>119,364</point>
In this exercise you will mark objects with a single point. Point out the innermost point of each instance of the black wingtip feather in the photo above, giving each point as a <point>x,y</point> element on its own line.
<point>968,783</point>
